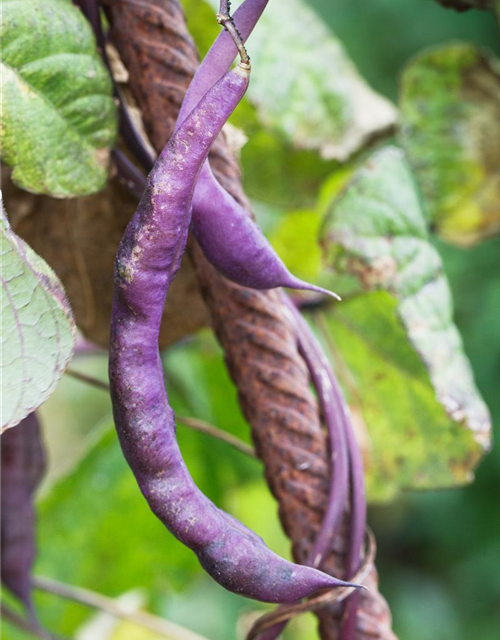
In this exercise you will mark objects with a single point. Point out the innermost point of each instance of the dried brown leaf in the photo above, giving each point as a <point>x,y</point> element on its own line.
<point>79,238</point>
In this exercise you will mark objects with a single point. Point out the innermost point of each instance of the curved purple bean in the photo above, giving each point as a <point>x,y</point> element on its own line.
<point>358,525</point>
<point>333,409</point>
<point>356,472</point>
<point>234,244</point>
<point>227,235</point>
<point>148,258</point>
<point>348,623</point>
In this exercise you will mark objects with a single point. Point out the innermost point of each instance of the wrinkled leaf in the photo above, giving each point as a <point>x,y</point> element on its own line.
<point>450,111</point>
<point>409,382</point>
<point>59,118</point>
<point>305,86</point>
<point>79,239</point>
<point>21,470</point>
<point>38,331</point>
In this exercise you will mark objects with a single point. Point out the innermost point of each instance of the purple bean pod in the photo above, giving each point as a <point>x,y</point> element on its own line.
<point>22,467</point>
<point>358,526</point>
<point>234,244</point>
<point>148,258</point>
<point>227,235</point>
<point>333,409</point>
<point>348,623</point>
<point>317,362</point>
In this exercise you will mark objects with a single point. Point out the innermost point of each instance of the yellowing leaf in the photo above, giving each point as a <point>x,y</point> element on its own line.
<point>400,355</point>
<point>450,129</point>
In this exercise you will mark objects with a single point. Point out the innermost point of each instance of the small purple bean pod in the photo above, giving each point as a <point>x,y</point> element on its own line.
<point>148,258</point>
<point>227,235</point>
<point>234,244</point>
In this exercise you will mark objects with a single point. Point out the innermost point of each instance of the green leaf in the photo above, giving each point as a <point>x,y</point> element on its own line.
<point>275,171</point>
<point>294,240</point>
<point>38,331</point>
<point>59,118</point>
<point>97,517</point>
<point>450,129</point>
<point>307,88</point>
<point>401,357</point>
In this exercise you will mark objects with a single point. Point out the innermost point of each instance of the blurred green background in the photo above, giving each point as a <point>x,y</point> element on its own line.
<point>438,552</point>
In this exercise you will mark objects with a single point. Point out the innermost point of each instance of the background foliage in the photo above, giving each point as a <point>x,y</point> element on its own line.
<point>437,550</point>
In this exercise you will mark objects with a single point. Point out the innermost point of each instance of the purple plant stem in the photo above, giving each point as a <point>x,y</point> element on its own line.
<point>90,9</point>
<point>333,404</point>
<point>357,495</point>
<point>128,130</point>
<point>334,415</point>
<point>357,499</point>
<point>221,55</point>
<point>358,525</point>
<point>133,177</point>
<point>132,136</point>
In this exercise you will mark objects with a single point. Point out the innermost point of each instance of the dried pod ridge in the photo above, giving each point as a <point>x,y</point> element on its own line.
<point>147,260</point>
